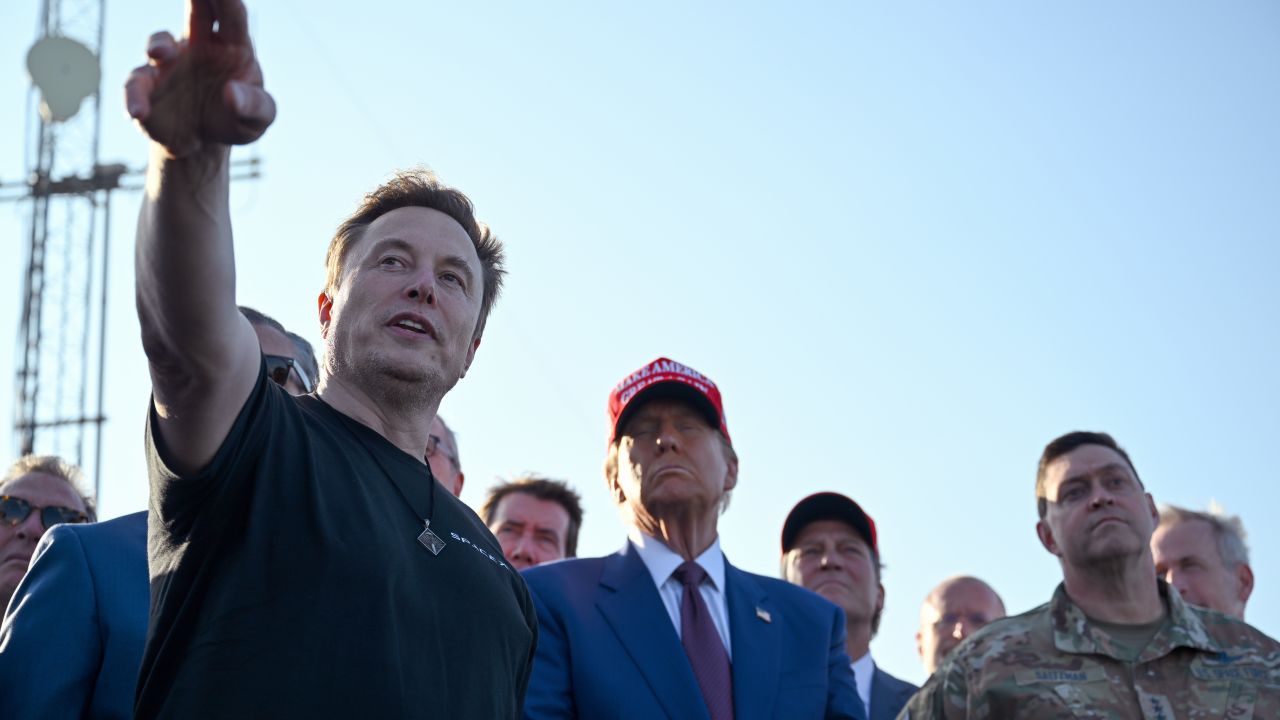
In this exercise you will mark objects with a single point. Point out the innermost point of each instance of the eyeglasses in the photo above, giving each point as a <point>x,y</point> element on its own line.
<point>14,510</point>
<point>278,367</point>
<point>434,446</point>
<point>948,620</point>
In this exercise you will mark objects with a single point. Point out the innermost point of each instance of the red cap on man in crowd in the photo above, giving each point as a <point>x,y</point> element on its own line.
<point>665,378</point>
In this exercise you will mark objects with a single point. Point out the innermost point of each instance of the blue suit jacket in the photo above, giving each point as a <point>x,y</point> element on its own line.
<point>72,640</point>
<point>607,647</point>
<point>888,695</point>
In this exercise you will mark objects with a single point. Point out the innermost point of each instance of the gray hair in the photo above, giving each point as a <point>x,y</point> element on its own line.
<point>1227,529</point>
<point>453,440</point>
<point>260,318</point>
<point>57,467</point>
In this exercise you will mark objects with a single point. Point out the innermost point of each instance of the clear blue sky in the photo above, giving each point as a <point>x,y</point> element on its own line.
<point>911,241</point>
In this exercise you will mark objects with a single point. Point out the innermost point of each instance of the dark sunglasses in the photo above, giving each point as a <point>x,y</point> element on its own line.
<point>278,367</point>
<point>13,510</point>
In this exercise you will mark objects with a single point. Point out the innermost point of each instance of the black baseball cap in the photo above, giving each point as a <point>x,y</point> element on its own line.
<point>828,506</point>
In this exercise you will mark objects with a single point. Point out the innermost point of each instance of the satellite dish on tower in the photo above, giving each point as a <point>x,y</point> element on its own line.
<point>66,72</point>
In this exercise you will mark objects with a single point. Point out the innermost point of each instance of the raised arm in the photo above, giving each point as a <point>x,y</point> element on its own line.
<point>195,98</point>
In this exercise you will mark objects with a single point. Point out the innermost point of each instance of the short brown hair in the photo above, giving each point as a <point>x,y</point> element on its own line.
<point>1064,444</point>
<point>556,491</point>
<point>420,187</point>
<point>57,467</point>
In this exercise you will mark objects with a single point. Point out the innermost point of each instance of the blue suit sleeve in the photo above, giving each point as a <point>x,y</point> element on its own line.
<point>843,701</point>
<point>50,647</point>
<point>550,693</point>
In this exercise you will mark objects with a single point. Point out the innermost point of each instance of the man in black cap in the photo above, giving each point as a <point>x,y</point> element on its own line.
<point>829,546</point>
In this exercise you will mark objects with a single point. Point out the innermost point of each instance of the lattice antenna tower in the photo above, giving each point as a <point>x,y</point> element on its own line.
<point>58,394</point>
<point>61,346</point>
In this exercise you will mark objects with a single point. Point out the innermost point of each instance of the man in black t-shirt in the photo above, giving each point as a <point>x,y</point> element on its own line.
<point>304,562</point>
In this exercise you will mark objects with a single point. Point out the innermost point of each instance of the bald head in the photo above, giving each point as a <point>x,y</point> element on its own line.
<point>953,611</point>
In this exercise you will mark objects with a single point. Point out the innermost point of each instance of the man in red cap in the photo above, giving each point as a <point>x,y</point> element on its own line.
<point>666,627</point>
<point>829,546</point>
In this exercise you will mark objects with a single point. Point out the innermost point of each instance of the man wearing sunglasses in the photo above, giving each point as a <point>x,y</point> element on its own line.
<point>73,638</point>
<point>303,563</point>
<point>290,361</point>
<point>37,492</point>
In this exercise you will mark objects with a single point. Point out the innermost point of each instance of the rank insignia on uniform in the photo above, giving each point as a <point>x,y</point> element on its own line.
<point>764,615</point>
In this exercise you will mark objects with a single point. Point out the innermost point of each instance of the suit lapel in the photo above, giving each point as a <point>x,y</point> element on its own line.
<point>630,604</point>
<point>887,696</point>
<point>757,646</point>
<point>879,694</point>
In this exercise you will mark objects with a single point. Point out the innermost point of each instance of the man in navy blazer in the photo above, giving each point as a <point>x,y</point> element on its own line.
<point>666,627</point>
<point>72,639</point>
<point>829,546</point>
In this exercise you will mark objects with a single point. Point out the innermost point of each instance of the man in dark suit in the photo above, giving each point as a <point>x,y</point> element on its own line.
<point>666,627</point>
<point>72,639</point>
<point>36,493</point>
<point>829,546</point>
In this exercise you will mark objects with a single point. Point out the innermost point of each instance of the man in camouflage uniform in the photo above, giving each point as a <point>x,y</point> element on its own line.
<point>1115,641</point>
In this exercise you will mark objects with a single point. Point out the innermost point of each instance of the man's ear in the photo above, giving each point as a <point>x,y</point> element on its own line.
<point>615,490</point>
<point>324,304</point>
<point>920,644</point>
<point>461,480</point>
<point>785,569</point>
<point>1244,574</point>
<point>879,597</point>
<point>1046,537</point>
<point>611,478</point>
<point>731,475</point>
<point>471,355</point>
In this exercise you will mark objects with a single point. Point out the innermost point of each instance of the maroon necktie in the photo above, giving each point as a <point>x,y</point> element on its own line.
<point>703,645</point>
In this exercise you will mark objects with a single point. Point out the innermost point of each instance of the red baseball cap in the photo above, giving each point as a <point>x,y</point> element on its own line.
<point>665,378</point>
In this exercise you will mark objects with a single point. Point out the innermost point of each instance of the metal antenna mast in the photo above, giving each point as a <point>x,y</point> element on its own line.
<point>61,344</point>
<point>62,329</point>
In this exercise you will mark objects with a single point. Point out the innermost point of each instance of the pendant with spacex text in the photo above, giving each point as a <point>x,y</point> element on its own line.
<point>430,540</point>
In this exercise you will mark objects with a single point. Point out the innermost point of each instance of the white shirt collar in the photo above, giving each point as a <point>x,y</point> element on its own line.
<point>863,668</point>
<point>661,560</point>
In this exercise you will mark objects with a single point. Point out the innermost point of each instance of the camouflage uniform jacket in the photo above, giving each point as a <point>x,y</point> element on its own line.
<point>1051,663</point>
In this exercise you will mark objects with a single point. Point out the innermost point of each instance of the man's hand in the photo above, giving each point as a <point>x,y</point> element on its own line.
<point>202,90</point>
<point>194,99</point>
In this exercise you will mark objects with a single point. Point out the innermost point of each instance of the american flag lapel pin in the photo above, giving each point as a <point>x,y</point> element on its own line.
<point>764,615</point>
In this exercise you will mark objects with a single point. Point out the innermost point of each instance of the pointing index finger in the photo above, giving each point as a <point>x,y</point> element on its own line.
<point>199,20</point>
<point>233,22</point>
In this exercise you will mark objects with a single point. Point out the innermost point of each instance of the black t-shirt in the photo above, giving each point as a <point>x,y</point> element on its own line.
<point>288,581</point>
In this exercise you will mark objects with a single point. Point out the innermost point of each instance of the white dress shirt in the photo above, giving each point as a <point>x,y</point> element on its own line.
<point>662,561</point>
<point>863,668</point>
